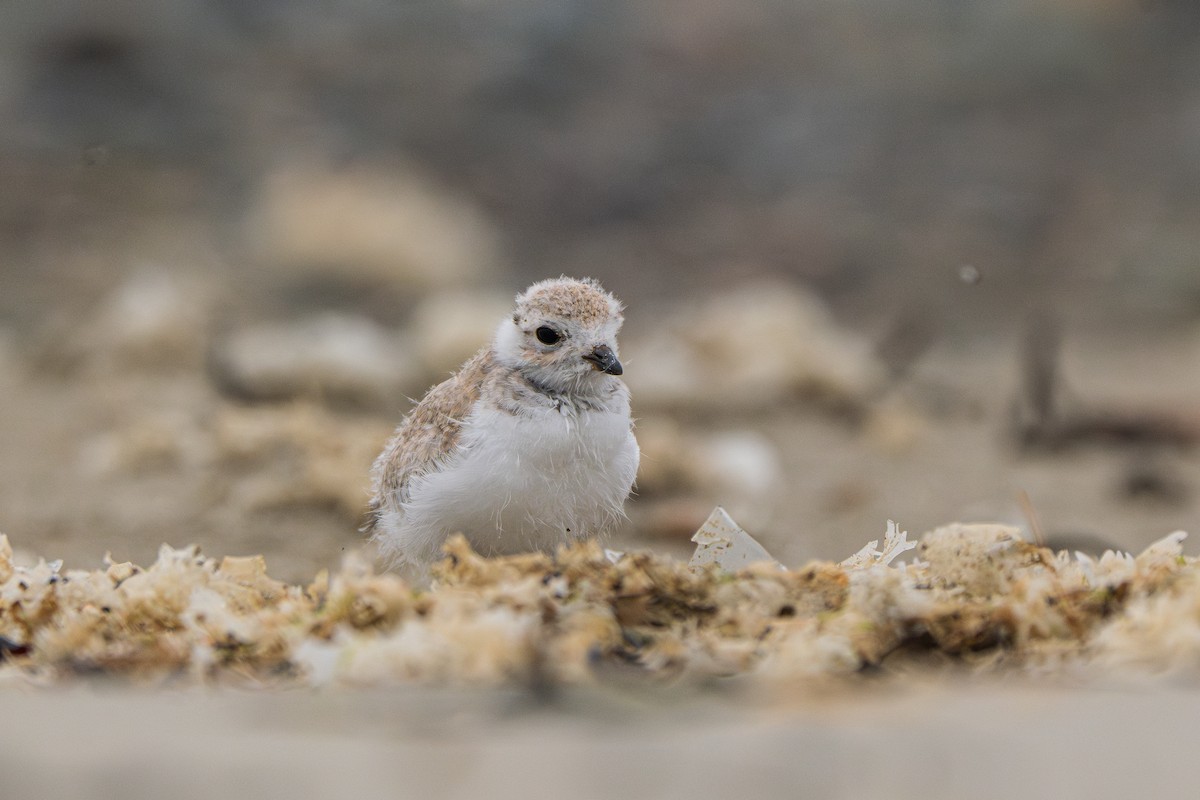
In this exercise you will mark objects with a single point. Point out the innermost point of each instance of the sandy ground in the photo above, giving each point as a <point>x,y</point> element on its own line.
<point>944,454</point>
<point>917,741</point>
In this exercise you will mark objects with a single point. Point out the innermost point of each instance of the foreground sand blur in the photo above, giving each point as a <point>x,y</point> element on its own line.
<point>918,741</point>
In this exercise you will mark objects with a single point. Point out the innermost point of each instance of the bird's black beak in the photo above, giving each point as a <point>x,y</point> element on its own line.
<point>605,360</point>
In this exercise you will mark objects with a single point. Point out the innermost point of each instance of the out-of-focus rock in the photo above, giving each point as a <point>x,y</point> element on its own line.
<point>372,222</point>
<point>750,347</point>
<point>682,472</point>
<point>894,428</point>
<point>296,456</point>
<point>331,357</point>
<point>667,453</point>
<point>156,319</point>
<point>157,442</point>
<point>447,328</point>
<point>740,463</point>
<point>743,462</point>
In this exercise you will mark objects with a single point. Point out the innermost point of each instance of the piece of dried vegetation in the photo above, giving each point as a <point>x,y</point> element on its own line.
<point>978,596</point>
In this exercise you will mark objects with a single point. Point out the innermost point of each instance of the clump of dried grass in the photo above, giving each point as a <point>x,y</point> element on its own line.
<point>973,589</point>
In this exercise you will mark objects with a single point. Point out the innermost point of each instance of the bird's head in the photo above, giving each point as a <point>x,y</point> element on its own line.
<point>563,335</point>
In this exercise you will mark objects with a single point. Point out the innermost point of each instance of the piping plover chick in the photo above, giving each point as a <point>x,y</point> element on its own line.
<point>529,445</point>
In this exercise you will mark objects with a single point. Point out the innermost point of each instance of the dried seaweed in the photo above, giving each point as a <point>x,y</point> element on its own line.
<point>561,618</point>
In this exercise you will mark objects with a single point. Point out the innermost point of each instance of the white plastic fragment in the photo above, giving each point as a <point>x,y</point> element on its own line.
<point>721,541</point>
<point>1117,566</point>
<point>895,544</point>
<point>1170,546</point>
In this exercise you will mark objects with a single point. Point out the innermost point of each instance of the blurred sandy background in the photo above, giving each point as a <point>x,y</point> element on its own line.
<point>881,260</point>
<point>234,238</point>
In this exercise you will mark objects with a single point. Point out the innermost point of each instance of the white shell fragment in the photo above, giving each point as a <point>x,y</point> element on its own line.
<point>721,541</point>
<point>895,544</point>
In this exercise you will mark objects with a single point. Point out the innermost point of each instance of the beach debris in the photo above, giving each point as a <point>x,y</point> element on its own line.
<point>692,363</point>
<point>331,357</point>
<point>370,222</point>
<point>722,542</point>
<point>740,463</point>
<point>155,320</point>
<point>980,597</point>
<point>260,458</point>
<point>895,544</point>
<point>449,326</point>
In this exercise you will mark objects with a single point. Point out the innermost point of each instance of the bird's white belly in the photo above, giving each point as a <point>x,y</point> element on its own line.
<point>526,482</point>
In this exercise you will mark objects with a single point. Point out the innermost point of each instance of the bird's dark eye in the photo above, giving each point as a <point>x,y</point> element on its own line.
<point>547,335</point>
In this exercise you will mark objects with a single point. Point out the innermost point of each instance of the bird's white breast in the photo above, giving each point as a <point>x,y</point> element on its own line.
<point>525,481</point>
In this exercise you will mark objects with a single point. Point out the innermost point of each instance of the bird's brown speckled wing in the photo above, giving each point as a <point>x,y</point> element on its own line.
<point>426,436</point>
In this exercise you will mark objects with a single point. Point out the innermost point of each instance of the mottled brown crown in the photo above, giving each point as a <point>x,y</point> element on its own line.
<point>584,301</point>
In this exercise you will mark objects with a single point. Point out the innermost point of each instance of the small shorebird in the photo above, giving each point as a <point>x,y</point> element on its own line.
<point>530,444</point>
